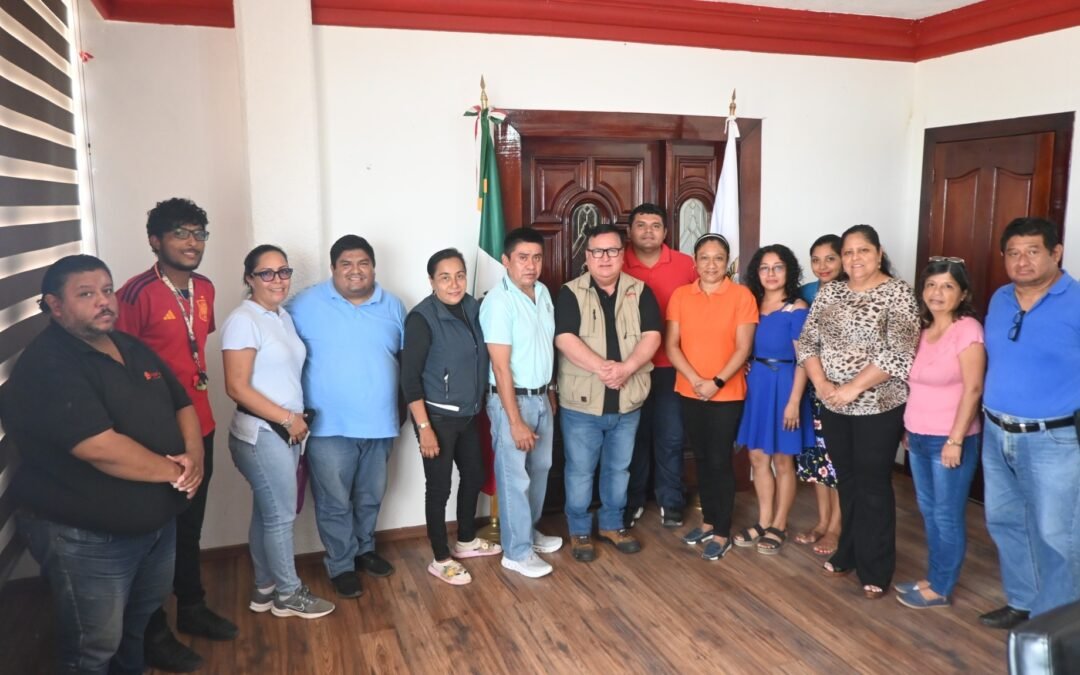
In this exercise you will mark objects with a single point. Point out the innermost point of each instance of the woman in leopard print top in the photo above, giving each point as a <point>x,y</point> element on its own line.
<point>857,346</point>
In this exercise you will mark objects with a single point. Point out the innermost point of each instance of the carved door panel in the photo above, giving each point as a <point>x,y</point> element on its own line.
<point>979,186</point>
<point>574,184</point>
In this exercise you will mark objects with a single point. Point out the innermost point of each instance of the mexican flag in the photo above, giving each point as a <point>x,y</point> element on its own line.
<point>488,269</point>
<point>725,213</point>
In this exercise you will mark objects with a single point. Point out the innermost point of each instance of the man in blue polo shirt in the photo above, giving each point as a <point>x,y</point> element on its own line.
<point>354,331</point>
<point>1031,457</point>
<point>518,319</point>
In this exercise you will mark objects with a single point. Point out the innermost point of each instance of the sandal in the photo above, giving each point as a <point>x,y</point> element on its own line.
<point>451,571</point>
<point>827,545</point>
<point>872,592</point>
<point>810,537</point>
<point>749,536</point>
<point>830,570</point>
<point>771,541</point>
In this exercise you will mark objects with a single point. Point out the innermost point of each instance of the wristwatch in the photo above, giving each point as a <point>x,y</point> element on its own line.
<point>423,425</point>
<point>949,441</point>
<point>719,382</point>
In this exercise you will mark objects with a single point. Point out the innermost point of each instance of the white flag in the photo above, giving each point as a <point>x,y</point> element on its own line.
<point>725,213</point>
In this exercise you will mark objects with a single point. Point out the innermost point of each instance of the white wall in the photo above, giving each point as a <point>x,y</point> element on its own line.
<point>841,144</point>
<point>1034,76</point>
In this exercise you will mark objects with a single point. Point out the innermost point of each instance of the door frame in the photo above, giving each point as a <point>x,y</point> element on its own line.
<point>1061,124</point>
<point>524,124</point>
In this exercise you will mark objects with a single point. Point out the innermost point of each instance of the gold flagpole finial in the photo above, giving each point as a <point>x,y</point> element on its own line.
<point>731,107</point>
<point>483,94</point>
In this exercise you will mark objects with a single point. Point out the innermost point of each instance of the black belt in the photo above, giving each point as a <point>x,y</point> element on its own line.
<point>771,363</point>
<point>1026,427</point>
<point>521,391</point>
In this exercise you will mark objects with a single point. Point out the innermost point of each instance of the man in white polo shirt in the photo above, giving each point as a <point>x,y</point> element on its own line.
<point>518,319</point>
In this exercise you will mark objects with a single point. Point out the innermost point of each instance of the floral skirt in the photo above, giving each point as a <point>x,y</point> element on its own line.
<point>814,464</point>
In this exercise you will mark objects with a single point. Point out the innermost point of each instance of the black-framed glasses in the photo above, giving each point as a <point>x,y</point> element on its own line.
<point>605,252</point>
<point>268,275</point>
<point>1017,324</point>
<point>184,233</point>
<point>948,259</point>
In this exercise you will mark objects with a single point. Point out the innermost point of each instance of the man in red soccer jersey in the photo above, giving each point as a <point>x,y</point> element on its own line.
<point>171,309</point>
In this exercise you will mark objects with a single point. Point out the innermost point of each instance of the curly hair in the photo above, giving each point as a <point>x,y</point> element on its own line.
<point>172,213</point>
<point>792,278</point>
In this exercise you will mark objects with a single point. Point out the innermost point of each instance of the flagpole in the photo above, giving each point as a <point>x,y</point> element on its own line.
<point>490,531</point>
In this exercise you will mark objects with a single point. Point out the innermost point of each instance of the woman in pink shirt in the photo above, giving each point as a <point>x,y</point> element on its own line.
<point>942,424</point>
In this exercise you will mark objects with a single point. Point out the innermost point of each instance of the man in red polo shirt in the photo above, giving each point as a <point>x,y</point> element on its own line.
<point>171,309</point>
<point>660,432</point>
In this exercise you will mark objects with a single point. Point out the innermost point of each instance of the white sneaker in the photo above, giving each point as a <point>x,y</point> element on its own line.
<point>532,567</point>
<point>542,543</point>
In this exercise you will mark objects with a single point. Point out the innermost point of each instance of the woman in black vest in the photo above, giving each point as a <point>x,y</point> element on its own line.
<point>444,371</point>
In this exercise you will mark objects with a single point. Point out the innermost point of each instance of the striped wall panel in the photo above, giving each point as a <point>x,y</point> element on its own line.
<point>39,189</point>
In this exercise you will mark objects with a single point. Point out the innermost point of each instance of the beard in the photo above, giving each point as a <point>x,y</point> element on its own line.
<point>180,263</point>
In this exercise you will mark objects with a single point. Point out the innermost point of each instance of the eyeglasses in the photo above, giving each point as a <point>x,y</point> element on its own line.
<point>184,233</point>
<point>941,258</point>
<point>1017,324</point>
<point>268,275</point>
<point>779,268</point>
<point>598,253</point>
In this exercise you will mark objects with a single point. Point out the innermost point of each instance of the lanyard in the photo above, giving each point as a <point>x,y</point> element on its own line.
<point>200,380</point>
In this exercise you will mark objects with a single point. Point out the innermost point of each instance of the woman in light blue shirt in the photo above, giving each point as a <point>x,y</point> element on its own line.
<point>263,358</point>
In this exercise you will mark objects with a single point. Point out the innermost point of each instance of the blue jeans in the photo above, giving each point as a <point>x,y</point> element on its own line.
<point>587,441</point>
<point>520,477</point>
<point>270,467</point>
<point>104,588</point>
<point>942,494</point>
<point>1033,513</point>
<point>659,436</point>
<point>348,481</point>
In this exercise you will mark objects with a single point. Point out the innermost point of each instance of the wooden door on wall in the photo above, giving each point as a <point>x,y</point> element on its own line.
<point>979,177</point>
<point>564,171</point>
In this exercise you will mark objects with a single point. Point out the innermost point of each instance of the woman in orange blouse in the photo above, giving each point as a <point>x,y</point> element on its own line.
<point>710,331</point>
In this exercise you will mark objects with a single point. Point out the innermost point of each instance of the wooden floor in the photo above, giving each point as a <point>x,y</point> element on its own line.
<point>662,611</point>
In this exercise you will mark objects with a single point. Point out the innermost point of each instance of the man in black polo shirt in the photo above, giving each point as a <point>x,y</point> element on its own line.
<point>607,328</point>
<point>110,447</point>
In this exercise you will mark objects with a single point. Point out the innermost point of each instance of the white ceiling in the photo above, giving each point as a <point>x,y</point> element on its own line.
<point>903,9</point>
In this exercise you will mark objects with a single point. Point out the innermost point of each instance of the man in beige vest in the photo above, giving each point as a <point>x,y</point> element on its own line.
<point>607,328</point>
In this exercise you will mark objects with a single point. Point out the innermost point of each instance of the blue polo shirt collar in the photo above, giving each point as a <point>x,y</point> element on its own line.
<point>332,293</point>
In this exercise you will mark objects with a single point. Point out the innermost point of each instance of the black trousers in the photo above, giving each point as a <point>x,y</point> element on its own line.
<point>459,443</point>
<point>863,450</point>
<point>711,428</point>
<point>187,576</point>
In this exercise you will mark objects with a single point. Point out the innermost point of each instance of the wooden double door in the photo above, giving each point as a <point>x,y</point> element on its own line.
<point>564,171</point>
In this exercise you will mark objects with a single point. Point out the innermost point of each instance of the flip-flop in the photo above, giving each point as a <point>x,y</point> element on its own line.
<point>810,537</point>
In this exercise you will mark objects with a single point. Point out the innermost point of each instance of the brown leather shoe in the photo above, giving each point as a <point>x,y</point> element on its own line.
<point>581,547</point>
<point>622,540</point>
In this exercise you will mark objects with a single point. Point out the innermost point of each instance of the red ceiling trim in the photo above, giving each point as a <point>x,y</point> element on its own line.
<point>689,23</point>
<point>991,22</point>
<point>214,13</point>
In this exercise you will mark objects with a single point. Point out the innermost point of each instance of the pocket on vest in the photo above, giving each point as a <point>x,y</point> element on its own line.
<point>577,390</point>
<point>636,390</point>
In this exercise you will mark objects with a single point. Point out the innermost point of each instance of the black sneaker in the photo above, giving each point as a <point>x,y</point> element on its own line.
<point>347,585</point>
<point>165,652</point>
<point>200,620</point>
<point>631,514</point>
<point>670,517</point>
<point>374,564</point>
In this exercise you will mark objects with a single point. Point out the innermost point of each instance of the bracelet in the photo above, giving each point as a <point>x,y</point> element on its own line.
<point>287,422</point>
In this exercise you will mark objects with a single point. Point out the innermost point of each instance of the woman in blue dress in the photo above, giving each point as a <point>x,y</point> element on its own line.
<point>776,424</point>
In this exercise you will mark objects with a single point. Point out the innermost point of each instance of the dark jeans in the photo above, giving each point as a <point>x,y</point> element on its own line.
<point>104,588</point>
<point>187,577</point>
<point>711,428</point>
<point>459,443</point>
<point>659,442</point>
<point>863,450</point>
